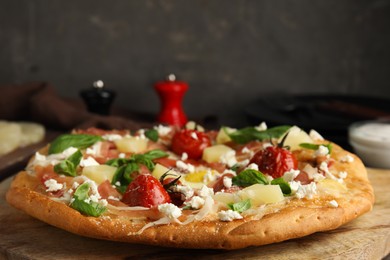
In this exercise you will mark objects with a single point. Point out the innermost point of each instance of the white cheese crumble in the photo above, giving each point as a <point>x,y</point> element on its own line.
<point>333,204</point>
<point>88,162</point>
<point>252,166</point>
<point>75,185</point>
<point>184,156</point>
<point>343,174</point>
<point>205,191</point>
<point>69,151</point>
<point>290,175</point>
<point>324,167</point>
<point>186,191</point>
<point>208,177</point>
<point>267,144</point>
<point>303,191</point>
<point>229,158</point>
<point>185,166</point>
<point>94,149</point>
<point>230,172</point>
<point>261,127</point>
<point>53,185</point>
<point>322,151</point>
<point>196,202</point>
<point>40,157</point>
<point>228,215</point>
<point>113,198</point>
<point>170,210</point>
<point>112,137</point>
<point>347,159</point>
<point>122,155</point>
<point>194,136</point>
<point>315,135</point>
<point>163,130</point>
<point>245,150</point>
<point>227,182</point>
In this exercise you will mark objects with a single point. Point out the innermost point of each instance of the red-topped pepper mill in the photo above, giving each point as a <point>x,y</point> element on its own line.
<point>171,93</point>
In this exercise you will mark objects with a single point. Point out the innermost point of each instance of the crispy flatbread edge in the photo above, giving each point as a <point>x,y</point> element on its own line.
<point>288,223</point>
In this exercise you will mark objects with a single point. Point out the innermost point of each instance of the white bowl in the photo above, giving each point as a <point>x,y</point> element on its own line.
<point>371,142</point>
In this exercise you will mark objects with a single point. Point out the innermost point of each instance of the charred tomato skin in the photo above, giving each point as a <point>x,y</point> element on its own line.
<point>146,191</point>
<point>191,142</point>
<point>275,161</point>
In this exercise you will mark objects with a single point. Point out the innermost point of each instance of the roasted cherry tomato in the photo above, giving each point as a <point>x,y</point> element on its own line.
<point>275,161</point>
<point>191,142</point>
<point>146,191</point>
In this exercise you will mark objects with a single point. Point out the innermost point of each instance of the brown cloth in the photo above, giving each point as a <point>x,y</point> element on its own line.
<point>39,102</point>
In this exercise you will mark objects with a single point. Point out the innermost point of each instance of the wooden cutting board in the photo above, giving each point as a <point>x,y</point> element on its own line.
<point>367,237</point>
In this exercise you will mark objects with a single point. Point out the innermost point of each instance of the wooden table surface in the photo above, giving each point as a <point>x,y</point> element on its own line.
<point>368,237</point>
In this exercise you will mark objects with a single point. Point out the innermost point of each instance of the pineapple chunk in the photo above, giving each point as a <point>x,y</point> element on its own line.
<point>262,194</point>
<point>99,173</point>
<point>215,152</point>
<point>132,144</point>
<point>222,137</point>
<point>295,137</point>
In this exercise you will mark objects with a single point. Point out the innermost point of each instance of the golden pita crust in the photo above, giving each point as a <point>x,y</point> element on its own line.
<point>294,220</point>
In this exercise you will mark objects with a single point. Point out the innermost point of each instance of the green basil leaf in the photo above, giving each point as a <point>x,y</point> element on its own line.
<point>65,167</point>
<point>155,154</point>
<point>75,158</point>
<point>152,134</point>
<point>284,186</point>
<point>81,192</point>
<point>240,206</point>
<point>69,165</point>
<point>90,209</point>
<point>117,162</point>
<point>248,134</point>
<point>249,177</point>
<point>80,141</point>
<point>316,146</point>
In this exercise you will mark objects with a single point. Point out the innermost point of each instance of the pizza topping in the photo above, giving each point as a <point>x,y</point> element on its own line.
<point>227,182</point>
<point>228,215</point>
<point>196,202</point>
<point>249,177</point>
<point>333,204</point>
<point>307,191</point>
<point>146,191</point>
<point>240,206</point>
<point>79,141</point>
<point>248,134</point>
<point>87,203</point>
<point>170,210</point>
<point>52,185</point>
<point>347,159</point>
<point>184,141</point>
<point>315,135</point>
<point>69,165</point>
<point>90,161</point>
<point>275,161</point>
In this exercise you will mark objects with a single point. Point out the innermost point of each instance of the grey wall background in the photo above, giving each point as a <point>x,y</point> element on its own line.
<point>230,52</point>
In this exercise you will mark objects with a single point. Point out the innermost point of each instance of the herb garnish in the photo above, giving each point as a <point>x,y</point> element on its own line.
<point>316,146</point>
<point>126,166</point>
<point>240,206</point>
<point>69,165</point>
<point>79,203</point>
<point>247,134</point>
<point>79,141</point>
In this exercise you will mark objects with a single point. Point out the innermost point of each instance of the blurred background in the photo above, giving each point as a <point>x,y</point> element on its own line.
<point>235,55</point>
